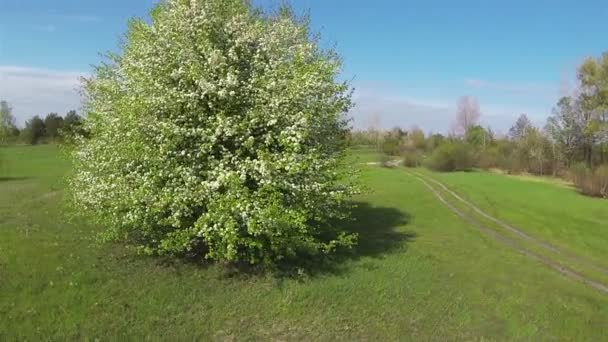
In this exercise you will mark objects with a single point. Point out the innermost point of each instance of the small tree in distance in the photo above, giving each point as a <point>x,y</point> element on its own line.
<point>217,132</point>
<point>7,123</point>
<point>520,128</point>
<point>53,124</point>
<point>34,130</point>
<point>72,127</point>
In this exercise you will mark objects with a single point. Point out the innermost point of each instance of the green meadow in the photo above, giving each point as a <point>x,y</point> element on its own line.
<point>420,272</point>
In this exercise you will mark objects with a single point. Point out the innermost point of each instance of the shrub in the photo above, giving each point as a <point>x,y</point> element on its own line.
<point>390,146</point>
<point>451,156</point>
<point>591,182</point>
<point>578,172</point>
<point>217,132</point>
<point>412,158</point>
<point>489,158</point>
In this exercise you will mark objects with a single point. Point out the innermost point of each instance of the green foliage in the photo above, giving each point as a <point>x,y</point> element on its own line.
<point>53,124</point>
<point>584,116</point>
<point>504,150</point>
<point>533,149</point>
<point>416,140</point>
<point>8,129</point>
<point>478,137</point>
<point>412,158</point>
<point>408,144</point>
<point>546,207</point>
<point>361,138</point>
<point>391,146</point>
<point>435,140</point>
<point>489,158</point>
<point>452,156</point>
<point>37,130</point>
<point>565,130</point>
<point>217,132</point>
<point>52,281</point>
<point>72,119</point>
<point>72,127</point>
<point>34,130</point>
<point>392,141</point>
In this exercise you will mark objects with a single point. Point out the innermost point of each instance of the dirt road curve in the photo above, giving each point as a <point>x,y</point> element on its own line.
<point>543,244</point>
<point>566,271</point>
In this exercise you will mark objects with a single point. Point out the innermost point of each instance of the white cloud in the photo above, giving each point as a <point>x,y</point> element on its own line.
<point>397,109</point>
<point>34,91</point>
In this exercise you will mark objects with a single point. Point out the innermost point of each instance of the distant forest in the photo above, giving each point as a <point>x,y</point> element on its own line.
<point>572,144</point>
<point>53,127</point>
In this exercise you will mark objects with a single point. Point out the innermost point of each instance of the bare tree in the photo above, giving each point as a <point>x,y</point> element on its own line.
<point>468,114</point>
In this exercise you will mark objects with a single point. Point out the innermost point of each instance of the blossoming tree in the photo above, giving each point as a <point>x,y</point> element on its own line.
<point>217,131</point>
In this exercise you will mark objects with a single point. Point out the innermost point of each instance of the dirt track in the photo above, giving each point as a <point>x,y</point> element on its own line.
<point>566,271</point>
<point>517,231</point>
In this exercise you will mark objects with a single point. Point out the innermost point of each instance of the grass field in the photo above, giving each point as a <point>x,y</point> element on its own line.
<point>420,272</point>
<point>555,213</point>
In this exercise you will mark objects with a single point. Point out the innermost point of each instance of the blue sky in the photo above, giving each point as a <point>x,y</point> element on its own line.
<point>410,61</point>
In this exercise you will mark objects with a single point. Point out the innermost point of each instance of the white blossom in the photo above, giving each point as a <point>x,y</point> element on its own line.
<point>217,127</point>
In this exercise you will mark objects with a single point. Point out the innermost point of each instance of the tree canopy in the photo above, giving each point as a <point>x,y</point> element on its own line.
<point>7,122</point>
<point>217,131</point>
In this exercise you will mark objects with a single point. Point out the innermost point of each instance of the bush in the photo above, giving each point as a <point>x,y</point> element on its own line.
<point>217,132</point>
<point>412,158</point>
<point>489,158</point>
<point>390,146</point>
<point>451,156</point>
<point>591,182</point>
<point>578,172</point>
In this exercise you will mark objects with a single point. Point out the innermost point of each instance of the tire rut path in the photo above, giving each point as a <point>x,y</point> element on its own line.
<point>566,271</point>
<point>518,231</point>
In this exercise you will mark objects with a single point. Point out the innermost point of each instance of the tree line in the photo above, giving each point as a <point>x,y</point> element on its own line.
<point>53,127</point>
<point>573,142</point>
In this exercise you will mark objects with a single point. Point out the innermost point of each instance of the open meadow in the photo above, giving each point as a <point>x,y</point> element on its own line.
<point>420,271</point>
<point>307,170</point>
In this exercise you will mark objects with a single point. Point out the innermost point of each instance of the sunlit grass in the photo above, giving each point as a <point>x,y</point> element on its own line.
<point>420,273</point>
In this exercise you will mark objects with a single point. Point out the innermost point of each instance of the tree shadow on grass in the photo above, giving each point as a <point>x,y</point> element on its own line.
<point>378,235</point>
<point>376,227</point>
